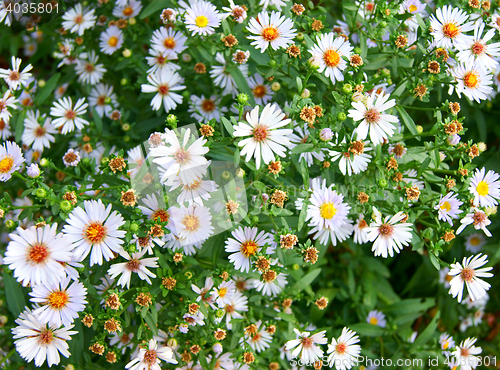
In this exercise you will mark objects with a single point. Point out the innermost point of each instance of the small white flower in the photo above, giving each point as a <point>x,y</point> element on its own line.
<point>11,159</point>
<point>301,136</point>
<point>376,318</point>
<point>478,219</point>
<point>78,19</point>
<point>238,13</point>
<point>168,41</point>
<point>102,99</point>
<point>135,263</point>
<point>468,273</point>
<point>33,171</point>
<point>7,101</point>
<point>449,207</point>
<point>223,294</point>
<point>466,354</point>
<point>389,235</point>
<point>306,346</point>
<point>163,82</point>
<point>111,40</point>
<point>151,357</point>
<point>245,245</point>
<point>485,188</point>
<point>446,341</point>
<point>127,10</point>
<point>473,81</point>
<point>475,48</point>
<point>328,55</point>
<point>88,70</point>
<point>474,242</point>
<point>222,77</point>
<point>204,109</point>
<point>344,351</point>
<point>202,18</point>
<point>13,77</point>
<point>68,116</point>
<point>360,233</point>
<point>271,30</point>
<point>193,223</point>
<point>449,27</point>
<point>38,135</point>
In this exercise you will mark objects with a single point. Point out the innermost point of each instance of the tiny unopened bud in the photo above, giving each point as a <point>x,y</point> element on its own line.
<point>186,58</point>
<point>326,134</point>
<point>65,206</point>
<point>217,347</point>
<point>132,21</point>
<point>33,171</point>
<point>341,116</point>
<point>127,53</point>
<point>41,83</point>
<point>242,98</point>
<point>275,86</point>
<point>41,193</point>
<point>44,162</point>
<point>347,88</point>
<point>420,129</point>
<point>126,127</point>
<point>305,94</point>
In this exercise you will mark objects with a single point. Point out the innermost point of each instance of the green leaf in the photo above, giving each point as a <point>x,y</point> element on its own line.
<point>229,127</point>
<point>150,320</point>
<point>434,261</point>
<point>154,7</point>
<point>242,84</point>
<point>369,330</point>
<point>302,216</point>
<point>352,7</point>
<point>287,317</point>
<point>47,89</point>
<point>259,186</point>
<point>13,294</point>
<point>301,148</point>
<point>408,121</point>
<point>98,122</point>
<point>20,125</point>
<point>306,280</point>
<point>427,333</point>
<point>421,22</point>
<point>299,84</point>
<point>423,166</point>
<point>410,305</point>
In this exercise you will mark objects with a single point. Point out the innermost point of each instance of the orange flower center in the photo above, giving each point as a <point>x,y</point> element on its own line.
<point>451,30</point>
<point>6,164</point>
<point>58,299</point>
<point>259,91</point>
<point>468,275</point>
<point>386,230</point>
<point>260,133</point>
<point>169,43</point>
<point>14,76</point>
<point>133,265</point>
<point>341,348</point>
<point>38,253</point>
<point>307,342</point>
<point>150,358</point>
<point>182,156</point>
<point>2,124</point>
<point>163,89</point>
<point>113,41</point>
<point>46,337</point>
<point>89,67</point>
<point>208,105</point>
<point>478,48</point>
<point>160,214</point>
<point>127,12</point>
<point>372,116</point>
<point>270,33</point>
<point>471,79</point>
<point>39,132</point>
<point>95,233</point>
<point>331,58</point>
<point>78,19</point>
<point>70,114</point>
<point>191,223</point>
<point>248,248</point>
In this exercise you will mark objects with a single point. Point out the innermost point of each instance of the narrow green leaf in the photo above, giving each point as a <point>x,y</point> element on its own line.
<point>20,125</point>
<point>408,121</point>
<point>352,7</point>
<point>427,333</point>
<point>227,125</point>
<point>242,84</point>
<point>366,329</point>
<point>98,122</point>
<point>299,84</point>
<point>423,166</point>
<point>301,148</point>
<point>14,294</point>
<point>306,280</point>
<point>410,305</point>
<point>154,7</point>
<point>46,90</point>
<point>151,323</point>
<point>434,261</point>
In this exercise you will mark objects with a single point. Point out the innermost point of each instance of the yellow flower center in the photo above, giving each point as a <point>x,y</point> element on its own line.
<point>222,292</point>
<point>58,299</point>
<point>446,206</point>
<point>445,345</point>
<point>259,91</point>
<point>248,248</point>
<point>471,79</point>
<point>113,41</point>
<point>451,30</point>
<point>474,241</point>
<point>270,33</point>
<point>331,58</point>
<point>201,21</point>
<point>373,321</point>
<point>482,188</point>
<point>413,8</point>
<point>169,43</point>
<point>127,12</point>
<point>95,232</point>
<point>6,164</point>
<point>191,223</point>
<point>327,210</point>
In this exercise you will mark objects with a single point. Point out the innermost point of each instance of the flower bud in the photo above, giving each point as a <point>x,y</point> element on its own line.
<point>386,72</point>
<point>123,81</point>
<point>488,211</point>
<point>347,88</point>
<point>255,219</point>
<point>172,120</point>
<point>44,162</point>
<point>240,172</point>
<point>11,224</point>
<point>172,343</point>
<point>226,175</point>
<point>132,248</point>
<point>217,347</point>
<point>219,313</point>
<point>65,206</point>
<point>33,171</point>
<point>69,367</point>
<point>3,319</point>
<point>326,134</point>
<point>300,36</point>
<point>305,94</point>
<point>481,146</point>
<point>382,183</point>
<point>341,116</point>
<point>132,21</point>
<point>188,274</point>
<point>126,127</point>
<point>41,193</point>
<point>420,129</point>
<point>275,86</point>
<point>383,24</point>
<point>126,138</point>
<point>134,227</point>
<point>295,266</point>
<point>186,58</point>
<point>127,53</point>
<point>357,96</point>
<point>242,98</point>
<point>41,83</point>
<point>272,63</point>
<point>453,139</point>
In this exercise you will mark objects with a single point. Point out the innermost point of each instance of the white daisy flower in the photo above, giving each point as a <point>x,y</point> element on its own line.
<point>328,216</point>
<point>258,338</point>
<point>135,160</point>
<point>150,357</point>
<point>376,318</point>
<point>478,219</point>
<point>344,352</point>
<point>7,101</point>
<point>266,139</point>
<point>204,294</point>
<point>111,40</point>
<point>35,340</point>
<point>13,77</point>
<point>245,245</point>
<point>473,81</point>
<point>187,162</point>
<point>60,304</point>
<point>36,255</point>
<point>6,13</point>
<point>223,293</point>
<point>193,223</point>
<point>67,115</point>
<point>495,21</point>
<point>71,158</point>
<point>238,13</point>
<point>204,109</point>
<point>155,208</point>
<point>202,18</point>
<point>128,9</point>
<point>360,233</point>
<point>301,136</point>
<point>103,99</point>
<point>169,15</point>
<point>389,235</point>
<point>268,3</point>
<point>271,30</point>
<point>196,192</point>
<point>78,19</point>
<point>88,70</point>
<point>271,288</point>
<point>485,188</point>
<point>168,41</point>
<point>123,341</point>
<point>146,243</point>
<point>306,346</point>
<point>237,303</point>
<point>449,207</point>
<point>466,354</point>
<point>475,48</point>
<point>262,92</point>
<point>449,27</point>
<point>164,82</point>
<point>95,229</point>
<point>413,7</point>
<point>469,273</point>
<point>135,263</point>
<point>328,55</point>
<point>11,159</point>
<point>446,341</point>
<point>222,77</point>
<point>61,90</point>
<point>4,129</point>
<point>38,135</point>
<point>474,242</point>
<point>373,119</point>
<point>161,60</point>
<point>354,160</point>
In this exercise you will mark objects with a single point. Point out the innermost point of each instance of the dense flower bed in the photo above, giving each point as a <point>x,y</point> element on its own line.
<point>257,185</point>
